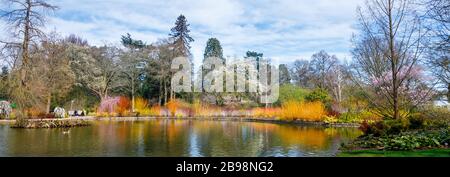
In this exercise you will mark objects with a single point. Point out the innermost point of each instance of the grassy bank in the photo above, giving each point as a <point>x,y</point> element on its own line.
<point>378,153</point>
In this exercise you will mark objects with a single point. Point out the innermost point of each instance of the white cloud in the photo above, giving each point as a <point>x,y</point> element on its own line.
<point>281,29</point>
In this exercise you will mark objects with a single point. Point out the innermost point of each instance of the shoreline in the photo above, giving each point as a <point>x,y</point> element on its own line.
<point>236,119</point>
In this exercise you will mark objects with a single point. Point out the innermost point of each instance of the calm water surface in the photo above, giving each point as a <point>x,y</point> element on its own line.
<point>176,138</point>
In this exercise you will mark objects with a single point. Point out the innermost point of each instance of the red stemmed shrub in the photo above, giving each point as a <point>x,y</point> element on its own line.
<point>123,106</point>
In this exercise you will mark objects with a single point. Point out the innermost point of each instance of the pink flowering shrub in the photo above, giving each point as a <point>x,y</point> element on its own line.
<point>108,105</point>
<point>412,87</point>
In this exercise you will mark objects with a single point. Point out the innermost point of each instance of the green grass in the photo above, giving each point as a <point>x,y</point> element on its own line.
<point>377,153</point>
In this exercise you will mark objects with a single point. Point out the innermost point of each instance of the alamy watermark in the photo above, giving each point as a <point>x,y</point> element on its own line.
<point>218,75</point>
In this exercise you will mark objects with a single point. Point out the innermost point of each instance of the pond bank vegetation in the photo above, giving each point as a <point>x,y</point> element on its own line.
<point>31,124</point>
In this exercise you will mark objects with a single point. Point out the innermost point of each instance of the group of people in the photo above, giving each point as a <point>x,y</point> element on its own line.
<point>77,113</point>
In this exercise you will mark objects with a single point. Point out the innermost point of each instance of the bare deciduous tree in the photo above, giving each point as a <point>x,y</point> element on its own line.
<point>388,49</point>
<point>300,73</point>
<point>437,17</point>
<point>53,68</point>
<point>26,18</point>
<point>321,64</point>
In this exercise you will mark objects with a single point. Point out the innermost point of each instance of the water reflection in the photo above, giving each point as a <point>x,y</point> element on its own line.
<point>175,138</point>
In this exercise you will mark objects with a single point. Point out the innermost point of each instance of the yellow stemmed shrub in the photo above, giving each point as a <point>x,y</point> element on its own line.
<point>307,111</point>
<point>293,110</point>
<point>142,106</point>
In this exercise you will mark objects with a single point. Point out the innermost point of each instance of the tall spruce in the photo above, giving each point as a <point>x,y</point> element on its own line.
<point>181,37</point>
<point>181,44</point>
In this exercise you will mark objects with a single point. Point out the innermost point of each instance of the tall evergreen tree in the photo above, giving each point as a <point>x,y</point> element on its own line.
<point>181,45</point>
<point>213,49</point>
<point>256,55</point>
<point>129,42</point>
<point>181,37</point>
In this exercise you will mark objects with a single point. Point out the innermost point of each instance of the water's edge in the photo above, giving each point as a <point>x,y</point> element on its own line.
<point>237,119</point>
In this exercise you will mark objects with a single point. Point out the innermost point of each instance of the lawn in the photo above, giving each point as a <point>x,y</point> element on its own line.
<point>378,153</point>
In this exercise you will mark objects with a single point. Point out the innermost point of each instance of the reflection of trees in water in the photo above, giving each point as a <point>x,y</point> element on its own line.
<point>175,138</point>
<point>224,138</point>
<point>254,139</point>
<point>304,138</point>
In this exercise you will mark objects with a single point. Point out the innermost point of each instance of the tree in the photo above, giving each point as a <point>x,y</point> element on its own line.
<point>76,40</point>
<point>96,68</point>
<point>437,17</point>
<point>181,42</point>
<point>132,65</point>
<point>54,70</point>
<point>258,57</point>
<point>285,77</point>
<point>129,42</point>
<point>386,54</point>
<point>289,92</point>
<point>301,74</point>
<point>213,49</point>
<point>158,69</point>
<point>182,39</point>
<point>26,18</point>
<point>338,78</point>
<point>255,55</point>
<point>321,65</point>
<point>3,82</point>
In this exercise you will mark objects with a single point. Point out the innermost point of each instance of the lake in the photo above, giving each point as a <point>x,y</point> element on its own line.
<point>170,137</point>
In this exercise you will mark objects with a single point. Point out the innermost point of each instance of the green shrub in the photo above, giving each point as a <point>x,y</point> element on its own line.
<point>289,92</point>
<point>430,118</point>
<point>417,122</point>
<point>405,140</point>
<point>318,95</point>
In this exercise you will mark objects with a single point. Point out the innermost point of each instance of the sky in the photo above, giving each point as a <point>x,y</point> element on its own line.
<point>284,30</point>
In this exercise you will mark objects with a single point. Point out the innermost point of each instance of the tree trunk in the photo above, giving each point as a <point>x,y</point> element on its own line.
<point>25,45</point>
<point>132,95</point>
<point>160,92</point>
<point>393,58</point>
<point>49,101</point>
<point>165,92</point>
<point>106,93</point>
